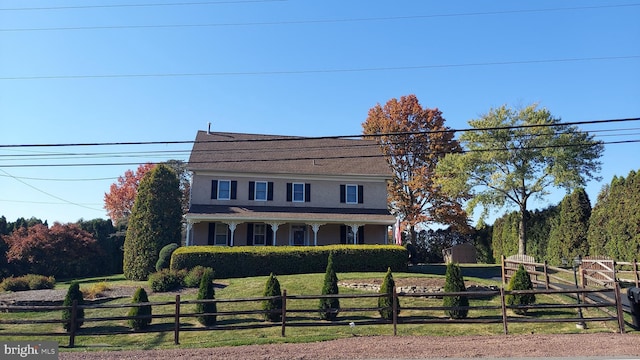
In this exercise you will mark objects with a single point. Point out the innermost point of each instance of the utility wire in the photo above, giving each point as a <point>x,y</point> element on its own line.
<point>139,5</point>
<point>319,71</point>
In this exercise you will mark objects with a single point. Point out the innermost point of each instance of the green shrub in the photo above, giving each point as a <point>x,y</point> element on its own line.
<point>140,296</point>
<point>520,281</point>
<point>454,282</point>
<point>206,292</point>
<point>27,282</point>
<point>245,261</point>
<point>73,294</point>
<point>329,307</point>
<point>385,303</point>
<point>164,258</point>
<point>193,276</point>
<point>273,306</point>
<point>166,280</point>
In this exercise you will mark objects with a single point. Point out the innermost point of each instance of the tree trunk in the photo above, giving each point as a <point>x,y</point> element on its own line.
<point>522,231</point>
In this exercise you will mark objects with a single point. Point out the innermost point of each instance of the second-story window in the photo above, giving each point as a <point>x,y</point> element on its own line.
<point>261,190</point>
<point>352,194</point>
<point>298,192</point>
<point>224,190</point>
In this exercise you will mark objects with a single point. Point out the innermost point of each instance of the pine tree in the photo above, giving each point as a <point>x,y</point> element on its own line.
<point>73,293</point>
<point>140,296</point>
<point>454,282</point>
<point>520,281</point>
<point>272,306</point>
<point>155,221</point>
<point>385,303</point>
<point>568,236</point>
<point>329,307</point>
<point>206,292</point>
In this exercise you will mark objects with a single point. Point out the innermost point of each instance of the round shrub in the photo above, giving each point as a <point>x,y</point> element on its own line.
<point>73,294</point>
<point>140,296</point>
<point>193,277</point>
<point>166,280</point>
<point>272,306</point>
<point>520,281</point>
<point>14,284</point>
<point>164,258</point>
<point>454,282</point>
<point>206,292</point>
<point>39,282</point>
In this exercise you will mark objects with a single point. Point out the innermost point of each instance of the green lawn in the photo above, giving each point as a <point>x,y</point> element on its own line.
<point>308,284</point>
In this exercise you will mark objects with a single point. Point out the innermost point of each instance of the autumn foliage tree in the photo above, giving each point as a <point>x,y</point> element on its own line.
<point>122,194</point>
<point>63,251</point>
<point>413,140</point>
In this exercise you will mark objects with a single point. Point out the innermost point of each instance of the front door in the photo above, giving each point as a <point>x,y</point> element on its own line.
<point>299,235</point>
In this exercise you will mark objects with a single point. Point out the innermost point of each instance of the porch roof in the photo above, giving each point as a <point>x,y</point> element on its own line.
<point>199,213</point>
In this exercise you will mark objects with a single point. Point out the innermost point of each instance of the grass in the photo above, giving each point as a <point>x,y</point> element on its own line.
<point>307,284</point>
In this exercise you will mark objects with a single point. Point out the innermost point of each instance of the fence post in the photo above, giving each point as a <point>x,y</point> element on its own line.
<point>504,277</point>
<point>72,325</point>
<point>504,311</point>
<point>635,271</point>
<point>176,329</point>
<point>619,307</point>
<point>394,308</point>
<point>284,311</point>
<point>546,276</point>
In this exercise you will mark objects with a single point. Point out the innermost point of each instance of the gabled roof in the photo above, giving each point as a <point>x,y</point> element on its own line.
<point>235,152</point>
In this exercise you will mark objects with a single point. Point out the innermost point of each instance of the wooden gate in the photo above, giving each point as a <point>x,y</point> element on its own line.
<point>511,263</point>
<point>598,271</point>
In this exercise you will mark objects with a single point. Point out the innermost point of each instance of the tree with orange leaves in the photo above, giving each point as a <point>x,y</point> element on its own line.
<point>122,194</point>
<point>413,139</point>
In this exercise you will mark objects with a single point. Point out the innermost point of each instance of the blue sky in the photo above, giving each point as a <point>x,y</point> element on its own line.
<point>117,71</point>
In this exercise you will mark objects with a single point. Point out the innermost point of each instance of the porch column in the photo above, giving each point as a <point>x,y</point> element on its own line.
<point>354,230</point>
<point>232,228</point>
<point>315,227</point>
<point>188,241</point>
<point>274,228</point>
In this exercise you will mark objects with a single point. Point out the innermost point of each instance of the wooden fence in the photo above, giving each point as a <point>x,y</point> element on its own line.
<point>290,315</point>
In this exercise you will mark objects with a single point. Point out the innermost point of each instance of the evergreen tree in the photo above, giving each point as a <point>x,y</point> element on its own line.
<point>273,306</point>
<point>73,293</point>
<point>206,292</point>
<point>454,282</point>
<point>140,296</point>
<point>568,236</point>
<point>164,258</point>
<point>155,221</point>
<point>520,281</point>
<point>329,307</point>
<point>385,303</point>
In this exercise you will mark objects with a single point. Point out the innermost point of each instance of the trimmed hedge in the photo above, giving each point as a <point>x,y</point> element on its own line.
<point>245,261</point>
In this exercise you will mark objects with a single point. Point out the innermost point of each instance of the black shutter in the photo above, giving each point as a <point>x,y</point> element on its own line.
<point>269,239</point>
<point>252,190</point>
<point>228,236</point>
<point>343,234</point>
<point>234,189</point>
<point>307,192</point>
<point>360,194</point>
<point>212,233</point>
<point>361,235</point>
<point>250,234</point>
<point>343,196</point>
<point>289,191</point>
<point>270,191</point>
<point>214,189</point>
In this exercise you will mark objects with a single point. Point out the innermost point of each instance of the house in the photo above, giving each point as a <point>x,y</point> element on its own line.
<point>262,190</point>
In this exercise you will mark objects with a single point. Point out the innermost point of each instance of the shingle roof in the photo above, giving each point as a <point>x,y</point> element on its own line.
<point>235,152</point>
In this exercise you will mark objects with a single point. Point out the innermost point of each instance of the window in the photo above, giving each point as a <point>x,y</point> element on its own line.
<point>298,192</point>
<point>259,234</point>
<point>223,189</point>
<point>352,194</point>
<point>218,234</point>
<point>261,191</point>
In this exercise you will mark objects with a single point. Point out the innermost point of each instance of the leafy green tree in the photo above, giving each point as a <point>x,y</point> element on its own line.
<point>207,292</point>
<point>520,281</point>
<point>73,294</point>
<point>568,236</point>
<point>385,303</point>
<point>273,306</point>
<point>454,282</point>
<point>155,221</point>
<point>414,140</point>
<point>329,307</point>
<point>104,233</point>
<point>513,156</point>
<point>140,297</point>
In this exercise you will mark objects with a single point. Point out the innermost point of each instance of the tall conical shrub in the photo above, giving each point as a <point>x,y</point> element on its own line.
<point>454,282</point>
<point>140,296</point>
<point>73,293</point>
<point>273,306</point>
<point>206,292</point>
<point>520,281</point>
<point>329,307</point>
<point>386,302</point>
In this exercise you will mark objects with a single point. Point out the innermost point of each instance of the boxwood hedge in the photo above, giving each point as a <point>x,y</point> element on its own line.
<point>245,261</point>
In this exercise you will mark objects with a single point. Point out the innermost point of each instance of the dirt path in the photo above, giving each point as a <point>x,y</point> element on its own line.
<point>402,347</point>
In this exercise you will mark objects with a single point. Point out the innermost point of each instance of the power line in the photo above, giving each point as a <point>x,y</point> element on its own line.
<point>292,22</point>
<point>139,5</point>
<point>319,71</point>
